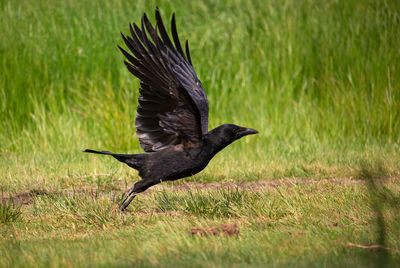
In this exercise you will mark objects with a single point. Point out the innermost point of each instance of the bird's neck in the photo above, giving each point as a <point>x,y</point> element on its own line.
<point>212,144</point>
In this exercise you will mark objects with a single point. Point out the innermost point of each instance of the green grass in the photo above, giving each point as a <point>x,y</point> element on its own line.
<point>320,80</point>
<point>9,212</point>
<point>302,225</point>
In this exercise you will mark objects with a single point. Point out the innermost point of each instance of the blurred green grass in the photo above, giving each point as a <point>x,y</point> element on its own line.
<point>320,80</point>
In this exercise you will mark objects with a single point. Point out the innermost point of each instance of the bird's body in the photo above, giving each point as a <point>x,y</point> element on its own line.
<point>172,116</point>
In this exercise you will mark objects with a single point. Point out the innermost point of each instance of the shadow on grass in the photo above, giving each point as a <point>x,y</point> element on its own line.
<point>381,199</point>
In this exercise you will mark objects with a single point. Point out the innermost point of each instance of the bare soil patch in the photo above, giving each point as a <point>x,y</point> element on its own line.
<point>25,198</point>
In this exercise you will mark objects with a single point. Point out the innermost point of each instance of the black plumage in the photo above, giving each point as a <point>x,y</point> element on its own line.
<point>172,115</point>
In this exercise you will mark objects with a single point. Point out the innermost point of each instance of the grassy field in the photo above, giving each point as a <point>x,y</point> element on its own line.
<point>320,80</point>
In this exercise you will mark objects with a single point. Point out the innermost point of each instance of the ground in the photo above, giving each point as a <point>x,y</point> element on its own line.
<point>321,222</point>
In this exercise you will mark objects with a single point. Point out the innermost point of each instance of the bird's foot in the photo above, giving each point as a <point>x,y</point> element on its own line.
<point>130,195</point>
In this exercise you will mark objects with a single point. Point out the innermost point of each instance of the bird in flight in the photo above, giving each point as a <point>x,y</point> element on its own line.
<point>172,115</point>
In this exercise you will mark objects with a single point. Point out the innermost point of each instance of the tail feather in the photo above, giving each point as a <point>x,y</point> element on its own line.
<point>97,152</point>
<point>132,160</point>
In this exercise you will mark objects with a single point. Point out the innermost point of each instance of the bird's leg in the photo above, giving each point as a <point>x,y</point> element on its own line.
<point>131,195</point>
<point>138,187</point>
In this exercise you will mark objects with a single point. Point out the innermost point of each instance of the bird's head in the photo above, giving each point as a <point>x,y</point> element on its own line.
<point>228,133</point>
<point>234,132</point>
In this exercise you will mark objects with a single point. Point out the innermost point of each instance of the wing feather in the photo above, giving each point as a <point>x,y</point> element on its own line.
<point>188,53</point>
<point>175,35</point>
<point>173,107</point>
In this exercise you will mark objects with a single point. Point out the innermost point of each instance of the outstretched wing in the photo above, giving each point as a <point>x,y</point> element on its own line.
<point>173,107</point>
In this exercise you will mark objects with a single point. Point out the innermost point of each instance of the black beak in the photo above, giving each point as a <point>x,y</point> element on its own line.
<point>249,131</point>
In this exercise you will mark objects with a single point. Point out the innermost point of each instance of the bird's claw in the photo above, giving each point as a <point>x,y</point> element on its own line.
<point>125,202</point>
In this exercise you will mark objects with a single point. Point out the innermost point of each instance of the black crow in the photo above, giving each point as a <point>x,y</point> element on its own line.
<point>172,116</point>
